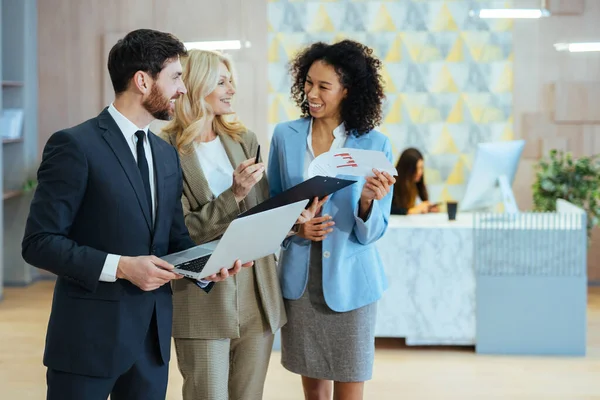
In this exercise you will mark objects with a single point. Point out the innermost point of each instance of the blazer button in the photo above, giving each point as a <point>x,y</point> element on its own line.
<point>326,254</point>
<point>153,250</point>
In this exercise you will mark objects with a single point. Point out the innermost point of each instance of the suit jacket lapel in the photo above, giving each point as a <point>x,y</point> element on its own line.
<point>295,150</point>
<point>234,151</point>
<point>192,173</point>
<point>236,154</point>
<point>159,173</point>
<point>115,139</point>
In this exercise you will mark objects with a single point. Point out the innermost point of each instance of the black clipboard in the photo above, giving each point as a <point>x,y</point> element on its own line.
<point>317,186</point>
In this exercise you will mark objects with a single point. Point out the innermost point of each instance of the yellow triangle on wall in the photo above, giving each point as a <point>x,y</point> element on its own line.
<point>477,114</point>
<point>476,53</point>
<point>430,115</point>
<point>491,53</point>
<point>291,45</point>
<point>457,176</point>
<point>456,116</point>
<point>502,25</point>
<point>383,21</point>
<point>395,52</point>
<point>456,54</point>
<point>445,82</point>
<point>445,144</point>
<point>274,48</point>
<point>505,82</point>
<point>395,114</point>
<point>415,113</point>
<point>476,106</point>
<point>467,160</point>
<point>481,48</point>
<point>322,22</point>
<point>387,80</point>
<point>445,196</point>
<point>291,111</point>
<point>412,45</point>
<point>444,21</point>
<point>429,54</point>
<point>339,37</point>
<point>433,176</point>
<point>274,111</point>
<point>508,133</point>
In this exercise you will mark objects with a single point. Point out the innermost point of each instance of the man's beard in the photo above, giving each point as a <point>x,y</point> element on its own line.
<point>157,105</point>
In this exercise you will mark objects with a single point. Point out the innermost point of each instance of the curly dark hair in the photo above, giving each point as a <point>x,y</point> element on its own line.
<point>358,71</point>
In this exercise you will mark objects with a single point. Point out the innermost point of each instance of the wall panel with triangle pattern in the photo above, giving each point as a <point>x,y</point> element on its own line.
<point>448,75</point>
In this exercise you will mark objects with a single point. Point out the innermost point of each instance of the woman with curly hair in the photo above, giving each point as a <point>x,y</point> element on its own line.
<point>330,271</point>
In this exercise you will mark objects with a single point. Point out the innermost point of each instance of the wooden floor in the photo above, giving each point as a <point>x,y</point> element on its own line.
<point>400,372</point>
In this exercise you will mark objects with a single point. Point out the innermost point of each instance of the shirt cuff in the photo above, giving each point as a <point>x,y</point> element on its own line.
<point>368,214</point>
<point>109,270</point>
<point>202,283</point>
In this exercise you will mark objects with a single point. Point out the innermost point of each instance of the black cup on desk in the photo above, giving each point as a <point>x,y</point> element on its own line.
<point>451,208</point>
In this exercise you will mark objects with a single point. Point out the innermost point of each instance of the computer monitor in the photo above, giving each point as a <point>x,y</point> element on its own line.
<point>492,176</point>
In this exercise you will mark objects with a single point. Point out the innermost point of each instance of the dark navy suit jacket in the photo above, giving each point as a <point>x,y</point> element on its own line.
<point>90,201</point>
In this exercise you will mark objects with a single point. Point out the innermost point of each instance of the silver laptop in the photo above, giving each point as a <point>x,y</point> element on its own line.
<point>246,239</point>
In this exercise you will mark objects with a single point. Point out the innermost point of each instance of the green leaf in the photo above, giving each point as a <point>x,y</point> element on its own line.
<point>561,176</point>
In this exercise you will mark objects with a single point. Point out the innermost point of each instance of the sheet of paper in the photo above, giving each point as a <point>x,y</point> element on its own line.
<point>346,161</point>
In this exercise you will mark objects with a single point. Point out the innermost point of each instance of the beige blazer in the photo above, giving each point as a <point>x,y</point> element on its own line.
<point>215,315</point>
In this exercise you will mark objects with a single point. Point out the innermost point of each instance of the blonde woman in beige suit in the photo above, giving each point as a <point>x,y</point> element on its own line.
<point>227,358</point>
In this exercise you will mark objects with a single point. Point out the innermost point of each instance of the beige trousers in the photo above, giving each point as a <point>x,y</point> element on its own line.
<point>229,369</point>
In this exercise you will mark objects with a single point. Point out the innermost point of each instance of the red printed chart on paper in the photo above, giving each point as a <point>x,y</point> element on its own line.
<point>346,161</point>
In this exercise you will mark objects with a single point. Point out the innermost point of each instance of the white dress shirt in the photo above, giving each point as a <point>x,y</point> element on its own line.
<point>215,165</point>
<point>128,129</point>
<point>339,141</point>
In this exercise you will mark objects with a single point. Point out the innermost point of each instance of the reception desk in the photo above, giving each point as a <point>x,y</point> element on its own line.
<point>431,294</point>
<point>505,284</point>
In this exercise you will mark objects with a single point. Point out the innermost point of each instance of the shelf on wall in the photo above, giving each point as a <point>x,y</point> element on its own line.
<point>12,84</point>
<point>7,141</point>
<point>11,194</point>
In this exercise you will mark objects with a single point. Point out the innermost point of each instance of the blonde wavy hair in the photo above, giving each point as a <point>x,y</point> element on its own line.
<point>192,112</point>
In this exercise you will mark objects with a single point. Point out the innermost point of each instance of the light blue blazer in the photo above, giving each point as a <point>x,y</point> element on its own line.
<point>353,274</point>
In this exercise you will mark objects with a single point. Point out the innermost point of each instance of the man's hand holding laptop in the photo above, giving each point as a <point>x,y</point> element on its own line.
<point>225,273</point>
<point>142,271</point>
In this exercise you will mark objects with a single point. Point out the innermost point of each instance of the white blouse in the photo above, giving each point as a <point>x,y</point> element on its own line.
<point>339,141</point>
<point>215,165</point>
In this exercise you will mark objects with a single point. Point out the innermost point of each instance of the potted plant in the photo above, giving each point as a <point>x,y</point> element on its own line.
<point>574,180</point>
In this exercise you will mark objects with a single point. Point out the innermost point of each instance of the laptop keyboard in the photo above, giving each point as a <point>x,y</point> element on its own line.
<point>196,265</point>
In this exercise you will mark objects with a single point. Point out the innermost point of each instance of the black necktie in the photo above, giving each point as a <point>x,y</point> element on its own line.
<point>143,166</point>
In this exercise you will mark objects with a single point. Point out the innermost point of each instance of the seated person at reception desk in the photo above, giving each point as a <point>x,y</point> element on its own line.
<point>410,183</point>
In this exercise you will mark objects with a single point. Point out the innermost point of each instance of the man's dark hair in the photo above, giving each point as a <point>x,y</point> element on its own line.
<point>141,50</point>
<point>358,70</point>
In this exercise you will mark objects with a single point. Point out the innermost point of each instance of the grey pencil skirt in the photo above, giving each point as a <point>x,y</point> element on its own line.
<point>320,343</point>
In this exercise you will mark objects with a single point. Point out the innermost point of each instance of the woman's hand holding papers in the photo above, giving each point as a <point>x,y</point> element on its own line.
<point>375,188</point>
<point>312,210</point>
<point>312,227</point>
